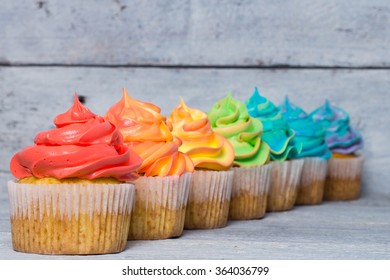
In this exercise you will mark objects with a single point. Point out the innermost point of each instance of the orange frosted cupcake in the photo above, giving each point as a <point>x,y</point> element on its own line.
<point>162,190</point>
<point>212,155</point>
<point>69,196</point>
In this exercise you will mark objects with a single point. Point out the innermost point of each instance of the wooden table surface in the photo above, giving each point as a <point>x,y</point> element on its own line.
<point>333,230</point>
<point>201,50</point>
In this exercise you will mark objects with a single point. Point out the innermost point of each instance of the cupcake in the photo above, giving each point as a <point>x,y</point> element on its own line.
<point>310,136</point>
<point>286,171</point>
<point>345,166</point>
<point>212,155</point>
<point>165,173</point>
<point>69,196</point>
<point>229,118</point>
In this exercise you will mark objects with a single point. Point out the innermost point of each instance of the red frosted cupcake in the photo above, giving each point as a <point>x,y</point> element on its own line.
<point>69,196</point>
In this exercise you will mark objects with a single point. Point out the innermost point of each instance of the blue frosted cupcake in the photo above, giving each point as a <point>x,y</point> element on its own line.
<point>311,137</point>
<point>286,168</point>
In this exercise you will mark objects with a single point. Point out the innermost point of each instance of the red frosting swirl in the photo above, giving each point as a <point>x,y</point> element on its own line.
<point>84,145</point>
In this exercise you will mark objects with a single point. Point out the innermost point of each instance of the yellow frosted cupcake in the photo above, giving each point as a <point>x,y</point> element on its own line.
<point>162,190</point>
<point>212,155</point>
<point>69,197</point>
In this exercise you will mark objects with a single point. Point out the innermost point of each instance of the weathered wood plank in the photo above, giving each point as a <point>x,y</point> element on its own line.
<point>256,33</point>
<point>32,97</point>
<point>345,230</point>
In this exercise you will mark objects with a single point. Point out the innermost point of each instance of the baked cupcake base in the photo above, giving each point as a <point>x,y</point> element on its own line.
<point>312,182</point>
<point>70,219</point>
<point>284,184</point>
<point>343,178</point>
<point>249,192</point>
<point>159,207</point>
<point>209,199</point>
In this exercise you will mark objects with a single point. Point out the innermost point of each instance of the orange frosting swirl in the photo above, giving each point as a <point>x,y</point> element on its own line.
<point>206,148</point>
<point>84,145</point>
<point>144,130</point>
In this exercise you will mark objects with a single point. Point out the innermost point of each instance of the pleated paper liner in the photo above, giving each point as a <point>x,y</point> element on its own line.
<point>312,183</point>
<point>70,218</point>
<point>343,178</point>
<point>159,207</point>
<point>284,184</point>
<point>209,199</point>
<point>249,192</point>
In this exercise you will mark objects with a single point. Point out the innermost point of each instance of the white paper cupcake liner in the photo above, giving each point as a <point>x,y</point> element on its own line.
<point>285,178</point>
<point>312,183</point>
<point>343,178</point>
<point>249,192</point>
<point>70,218</point>
<point>209,199</point>
<point>159,207</point>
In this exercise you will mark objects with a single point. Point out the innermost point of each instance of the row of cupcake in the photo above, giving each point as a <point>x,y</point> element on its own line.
<point>190,170</point>
<point>313,156</point>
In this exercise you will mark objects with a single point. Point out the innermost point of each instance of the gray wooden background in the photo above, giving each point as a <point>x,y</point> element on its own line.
<point>201,50</point>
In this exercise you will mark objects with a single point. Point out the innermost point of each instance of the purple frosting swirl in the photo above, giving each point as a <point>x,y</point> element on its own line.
<point>340,136</point>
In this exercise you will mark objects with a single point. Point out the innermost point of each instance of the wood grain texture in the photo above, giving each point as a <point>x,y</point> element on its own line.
<point>201,32</point>
<point>32,97</point>
<point>338,230</point>
<point>198,33</point>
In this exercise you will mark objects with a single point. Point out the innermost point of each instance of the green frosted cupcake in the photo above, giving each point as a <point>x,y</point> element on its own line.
<point>251,180</point>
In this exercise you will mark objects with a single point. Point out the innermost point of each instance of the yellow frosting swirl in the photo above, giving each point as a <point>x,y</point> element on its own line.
<point>145,131</point>
<point>207,149</point>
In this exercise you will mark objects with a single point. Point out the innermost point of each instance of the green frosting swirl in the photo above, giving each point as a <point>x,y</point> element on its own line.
<point>230,118</point>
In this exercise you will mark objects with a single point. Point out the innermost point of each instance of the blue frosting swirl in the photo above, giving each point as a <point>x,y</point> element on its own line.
<point>309,135</point>
<point>276,132</point>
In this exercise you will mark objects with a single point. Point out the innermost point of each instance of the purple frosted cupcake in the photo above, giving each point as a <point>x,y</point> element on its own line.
<point>345,167</point>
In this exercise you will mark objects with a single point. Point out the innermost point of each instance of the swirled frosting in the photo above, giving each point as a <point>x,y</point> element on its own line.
<point>340,136</point>
<point>230,118</point>
<point>309,135</point>
<point>144,130</point>
<point>206,148</point>
<point>276,132</point>
<point>83,145</point>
